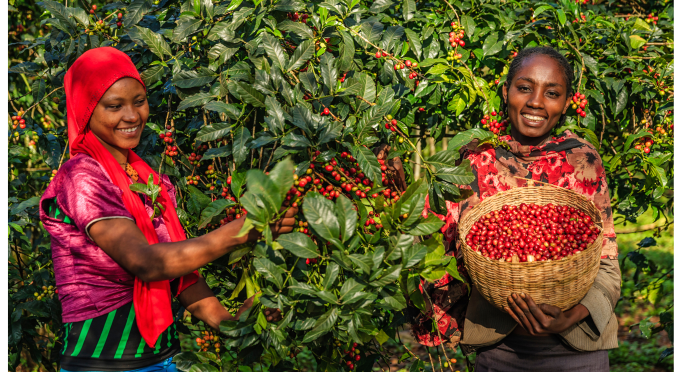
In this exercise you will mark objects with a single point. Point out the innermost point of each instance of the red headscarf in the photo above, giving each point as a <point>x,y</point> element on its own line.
<point>85,83</point>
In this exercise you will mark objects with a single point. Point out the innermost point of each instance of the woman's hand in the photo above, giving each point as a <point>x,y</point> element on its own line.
<point>543,319</point>
<point>284,225</point>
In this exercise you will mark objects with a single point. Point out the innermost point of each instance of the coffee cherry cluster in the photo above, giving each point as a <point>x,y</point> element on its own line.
<point>644,144</point>
<point>531,232</point>
<point>192,180</point>
<point>371,224</point>
<point>391,123</point>
<point>495,123</point>
<point>456,36</point>
<point>579,103</point>
<point>46,122</point>
<point>194,157</point>
<point>583,17</point>
<point>232,214</point>
<point>352,355</point>
<point>210,173</point>
<point>652,19</point>
<point>303,18</point>
<point>208,340</point>
<point>46,291</point>
<point>18,122</point>
<point>453,55</point>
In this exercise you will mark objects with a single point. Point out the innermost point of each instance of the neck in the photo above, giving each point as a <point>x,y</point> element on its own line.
<point>120,154</point>
<point>526,140</point>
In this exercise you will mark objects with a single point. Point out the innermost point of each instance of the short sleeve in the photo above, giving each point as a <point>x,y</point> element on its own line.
<point>87,195</point>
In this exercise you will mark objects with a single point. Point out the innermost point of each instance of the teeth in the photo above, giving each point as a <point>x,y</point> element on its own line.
<point>534,118</point>
<point>130,130</point>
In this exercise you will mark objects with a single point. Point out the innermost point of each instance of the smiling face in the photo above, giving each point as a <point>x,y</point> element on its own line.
<point>536,99</point>
<point>120,116</point>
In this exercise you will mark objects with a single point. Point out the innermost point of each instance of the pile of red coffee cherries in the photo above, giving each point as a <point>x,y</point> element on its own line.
<point>531,232</point>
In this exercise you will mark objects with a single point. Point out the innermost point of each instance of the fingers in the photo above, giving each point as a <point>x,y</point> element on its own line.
<point>550,310</point>
<point>515,301</point>
<point>533,315</point>
<point>292,212</point>
<point>512,314</point>
<point>273,314</point>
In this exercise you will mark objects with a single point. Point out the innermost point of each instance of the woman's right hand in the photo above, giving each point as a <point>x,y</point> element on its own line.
<point>284,225</point>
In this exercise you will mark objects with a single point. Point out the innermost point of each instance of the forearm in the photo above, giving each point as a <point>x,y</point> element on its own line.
<point>123,241</point>
<point>166,261</point>
<point>202,304</point>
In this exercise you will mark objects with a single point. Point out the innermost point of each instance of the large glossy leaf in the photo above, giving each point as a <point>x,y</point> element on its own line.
<point>322,325</point>
<point>156,42</point>
<point>319,213</point>
<point>239,147</point>
<point>461,175</point>
<point>346,214</point>
<point>185,28</point>
<point>301,55</point>
<point>214,209</point>
<point>275,51</point>
<point>299,245</point>
<point>368,163</point>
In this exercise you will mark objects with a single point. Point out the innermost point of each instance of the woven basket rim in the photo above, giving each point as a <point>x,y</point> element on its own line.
<point>537,264</point>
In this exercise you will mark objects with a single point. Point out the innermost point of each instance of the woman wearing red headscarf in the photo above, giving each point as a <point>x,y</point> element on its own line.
<point>116,269</point>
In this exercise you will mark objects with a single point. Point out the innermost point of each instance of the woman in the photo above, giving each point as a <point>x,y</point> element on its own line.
<point>530,337</point>
<point>117,269</point>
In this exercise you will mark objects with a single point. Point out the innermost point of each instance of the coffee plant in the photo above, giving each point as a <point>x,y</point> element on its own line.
<point>262,105</point>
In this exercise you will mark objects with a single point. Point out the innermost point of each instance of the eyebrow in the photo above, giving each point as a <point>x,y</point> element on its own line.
<point>113,99</point>
<point>534,82</point>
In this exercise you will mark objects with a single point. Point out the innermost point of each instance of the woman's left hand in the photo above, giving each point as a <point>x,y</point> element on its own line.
<point>543,319</point>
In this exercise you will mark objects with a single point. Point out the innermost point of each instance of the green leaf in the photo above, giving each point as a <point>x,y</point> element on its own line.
<point>561,16</point>
<point>261,185</point>
<point>328,71</point>
<point>152,75</point>
<point>331,273</point>
<point>231,110</point>
<point>368,163</point>
<point>247,93</point>
<point>640,24</point>
<point>388,276</point>
<point>301,55</point>
<point>135,11</point>
<point>364,262</point>
<point>458,103</point>
<point>636,41</point>
<point>38,90</point>
<point>184,28</point>
<point>192,79</point>
<point>269,270</point>
<point>28,203</point>
<point>301,29</point>
<point>469,25</point>
<point>347,217</point>
<point>445,158</point>
<point>492,45</point>
<point>275,51</point>
<point>201,198</point>
<point>239,146</point>
<point>237,183</point>
<point>460,175</point>
<point>194,101</point>
<point>214,209</point>
<point>349,289</point>
<point>413,255</point>
<point>319,213</point>
<point>415,43</point>
<point>322,325</point>
<point>426,226</point>
<point>408,9</point>
<point>464,138</point>
<point>156,42</point>
<point>299,245</point>
<point>540,9</point>
<point>282,176</point>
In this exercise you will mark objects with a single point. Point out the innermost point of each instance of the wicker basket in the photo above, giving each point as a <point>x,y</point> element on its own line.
<point>562,283</point>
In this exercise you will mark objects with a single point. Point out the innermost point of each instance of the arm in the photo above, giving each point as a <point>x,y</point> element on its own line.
<point>164,261</point>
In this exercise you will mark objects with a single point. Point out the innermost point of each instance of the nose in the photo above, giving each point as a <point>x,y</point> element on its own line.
<point>535,100</point>
<point>130,114</point>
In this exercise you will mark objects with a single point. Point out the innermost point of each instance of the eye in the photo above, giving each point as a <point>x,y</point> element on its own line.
<point>523,88</point>
<point>114,106</point>
<point>553,94</point>
<point>141,102</point>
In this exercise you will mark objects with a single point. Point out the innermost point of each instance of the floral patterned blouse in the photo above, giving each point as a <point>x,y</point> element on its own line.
<point>566,161</point>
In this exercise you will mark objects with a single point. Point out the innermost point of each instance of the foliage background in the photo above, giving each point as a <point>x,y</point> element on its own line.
<point>249,67</point>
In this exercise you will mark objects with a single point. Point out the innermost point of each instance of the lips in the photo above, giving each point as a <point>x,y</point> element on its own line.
<point>533,117</point>
<point>128,130</point>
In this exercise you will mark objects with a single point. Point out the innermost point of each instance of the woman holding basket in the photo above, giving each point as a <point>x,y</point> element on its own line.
<point>118,264</point>
<point>530,336</point>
